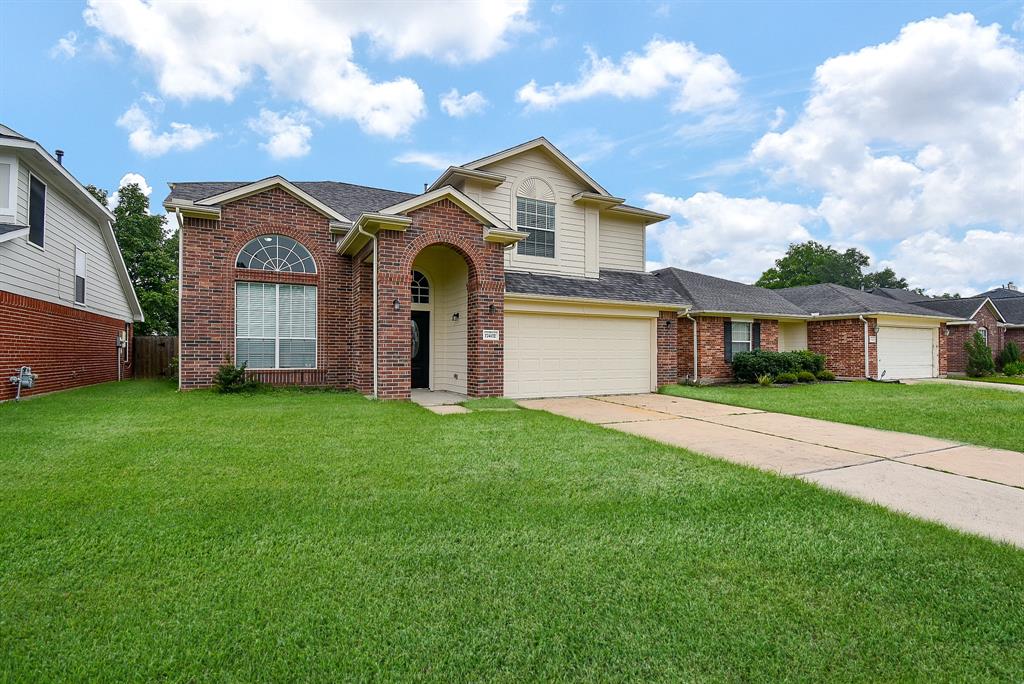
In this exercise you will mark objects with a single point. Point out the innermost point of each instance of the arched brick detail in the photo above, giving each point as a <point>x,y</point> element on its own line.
<point>299,236</point>
<point>441,223</point>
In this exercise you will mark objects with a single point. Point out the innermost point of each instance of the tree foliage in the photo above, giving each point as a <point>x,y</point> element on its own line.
<point>979,357</point>
<point>151,257</point>
<point>810,263</point>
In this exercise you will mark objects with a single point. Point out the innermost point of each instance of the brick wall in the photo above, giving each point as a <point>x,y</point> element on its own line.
<point>208,280</point>
<point>712,366</point>
<point>446,224</point>
<point>668,358</point>
<point>959,335</point>
<point>684,348</point>
<point>66,347</point>
<point>1015,335</point>
<point>842,343</point>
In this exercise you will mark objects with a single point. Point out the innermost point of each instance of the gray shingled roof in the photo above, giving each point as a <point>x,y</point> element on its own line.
<point>10,228</point>
<point>345,198</point>
<point>1001,293</point>
<point>900,294</point>
<point>718,295</point>
<point>962,308</point>
<point>1012,309</point>
<point>829,299</point>
<point>625,286</point>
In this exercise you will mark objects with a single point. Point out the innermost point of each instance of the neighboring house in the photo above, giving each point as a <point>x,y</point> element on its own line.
<point>66,301</point>
<point>726,317</point>
<point>997,314</point>
<point>861,335</point>
<point>516,274</point>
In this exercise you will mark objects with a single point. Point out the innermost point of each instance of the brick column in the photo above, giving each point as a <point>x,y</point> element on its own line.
<point>668,359</point>
<point>485,363</point>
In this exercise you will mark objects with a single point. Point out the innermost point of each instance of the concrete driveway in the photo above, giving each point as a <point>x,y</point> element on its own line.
<point>970,488</point>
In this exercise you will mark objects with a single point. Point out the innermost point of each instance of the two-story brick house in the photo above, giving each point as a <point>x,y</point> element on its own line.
<point>517,274</point>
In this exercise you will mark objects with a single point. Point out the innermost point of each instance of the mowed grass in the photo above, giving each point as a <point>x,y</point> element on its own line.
<point>149,535</point>
<point>978,415</point>
<point>1000,379</point>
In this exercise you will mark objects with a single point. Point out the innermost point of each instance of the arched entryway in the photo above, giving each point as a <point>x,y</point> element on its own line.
<point>439,320</point>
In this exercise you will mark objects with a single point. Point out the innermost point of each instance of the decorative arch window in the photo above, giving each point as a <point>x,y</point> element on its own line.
<point>535,214</point>
<point>276,253</point>
<point>984,334</point>
<point>420,288</point>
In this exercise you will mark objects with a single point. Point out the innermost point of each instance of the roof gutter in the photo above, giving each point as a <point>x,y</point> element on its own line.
<point>694,321</point>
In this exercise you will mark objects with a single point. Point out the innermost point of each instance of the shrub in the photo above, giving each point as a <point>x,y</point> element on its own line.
<point>747,366</point>
<point>785,378</point>
<point>1014,368</point>
<point>825,375</point>
<point>805,376</point>
<point>979,357</point>
<point>1010,354</point>
<point>764,380</point>
<point>230,379</point>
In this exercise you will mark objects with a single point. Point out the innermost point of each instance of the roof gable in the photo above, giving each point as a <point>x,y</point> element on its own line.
<point>249,189</point>
<point>468,205</point>
<point>544,144</point>
<point>718,295</point>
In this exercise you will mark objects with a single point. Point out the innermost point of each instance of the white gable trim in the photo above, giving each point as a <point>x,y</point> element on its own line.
<point>543,143</point>
<point>21,232</point>
<point>995,308</point>
<point>267,183</point>
<point>448,192</point>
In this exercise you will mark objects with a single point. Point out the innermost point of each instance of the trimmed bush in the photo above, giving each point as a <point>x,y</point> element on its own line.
<point>1010,354</point>
<point>825,375</point>
<point>786,378</point>
<point>1014,368</point>
<point>230,379</point>
<point>747,366</point>
<point>979,357</point>
<point>805,376</point>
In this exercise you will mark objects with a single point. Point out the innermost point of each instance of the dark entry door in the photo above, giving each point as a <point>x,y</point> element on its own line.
<point>420,349</point>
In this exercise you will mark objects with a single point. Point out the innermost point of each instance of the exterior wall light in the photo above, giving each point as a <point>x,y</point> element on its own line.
<point>397,304</point>
<point>455,316</point>
<point>490,309</point>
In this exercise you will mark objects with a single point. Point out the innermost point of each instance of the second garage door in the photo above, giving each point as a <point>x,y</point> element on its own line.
<point>552,355</point>
<point>906,352</point>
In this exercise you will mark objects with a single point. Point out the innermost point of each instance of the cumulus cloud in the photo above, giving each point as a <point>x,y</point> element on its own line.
<point>66,46</point>
<point>921,133</point>
<point>730,237</point>
<point>127,179</point>
<point>460,106</point>
<point>695,79</point>
<point>146,140</point>
<point>287,135</point>
<point>304,50</point>
<point>976,262</point>
<point>438,162</point>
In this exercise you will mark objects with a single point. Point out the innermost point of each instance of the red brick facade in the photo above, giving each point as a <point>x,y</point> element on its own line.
<point>66,347</point>
<point>842,343</point>
<point>711,361</point>
<point>956,355</point>
<point>668,333</point>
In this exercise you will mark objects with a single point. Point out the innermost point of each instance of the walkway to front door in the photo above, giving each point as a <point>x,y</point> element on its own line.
<point>975,489</point>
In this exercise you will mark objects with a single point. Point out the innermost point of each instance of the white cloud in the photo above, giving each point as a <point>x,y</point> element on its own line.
<point>778,119</point>
<point>66,46</point>
<point>696,80</point>
<point>127,179</point>
<point>144,138</point>
<point>729,237</point>
<point>460,106</point>
<point>922,133</point>
<point>979,260</point>
<point>304,50</point>
<point>287,135</point>
<point>430,160</point>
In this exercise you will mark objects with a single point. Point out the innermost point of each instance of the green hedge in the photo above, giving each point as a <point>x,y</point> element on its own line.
<point>748,365</point>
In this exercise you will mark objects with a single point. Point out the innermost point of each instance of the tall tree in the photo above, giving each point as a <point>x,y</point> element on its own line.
<point>810,263</point>
<point>151,257</point>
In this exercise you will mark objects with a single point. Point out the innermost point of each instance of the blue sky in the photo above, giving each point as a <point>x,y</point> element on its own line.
<point>906,142</point>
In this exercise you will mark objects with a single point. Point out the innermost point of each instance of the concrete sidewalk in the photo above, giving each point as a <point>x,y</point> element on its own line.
<point>971,488</point>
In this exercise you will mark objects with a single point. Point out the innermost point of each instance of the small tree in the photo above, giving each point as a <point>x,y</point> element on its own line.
<point>1010,354</point>
<point>979,357</point>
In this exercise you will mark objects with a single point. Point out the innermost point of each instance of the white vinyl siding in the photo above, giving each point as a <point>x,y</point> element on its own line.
<point>48,274</point>
<point>447,273</point>
<point>570,232</point>
<point>621,244</point>
<point>554,355</point>
<point>905,352</point>
<point>275,325</point>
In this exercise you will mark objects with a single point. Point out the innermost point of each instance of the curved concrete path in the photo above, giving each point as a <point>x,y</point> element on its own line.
<point>970,488</point>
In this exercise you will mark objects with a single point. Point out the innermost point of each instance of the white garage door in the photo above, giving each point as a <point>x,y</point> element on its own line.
<point>553,356</point>
<point>906,352</point>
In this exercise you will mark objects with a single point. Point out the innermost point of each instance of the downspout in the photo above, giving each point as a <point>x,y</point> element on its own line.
<point>181,281</point>
<point>867,363</point>
<point>694,321</point>
<point>374,238</point>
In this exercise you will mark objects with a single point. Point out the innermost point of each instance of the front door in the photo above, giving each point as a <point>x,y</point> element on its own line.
<point>420,349</point>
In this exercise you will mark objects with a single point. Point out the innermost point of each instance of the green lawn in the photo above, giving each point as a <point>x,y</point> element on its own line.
<point>1003,379</point>
<point>989,417</point>
<point>149,535</point>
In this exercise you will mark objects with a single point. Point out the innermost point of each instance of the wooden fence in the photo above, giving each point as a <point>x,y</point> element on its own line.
<point>153,355</point>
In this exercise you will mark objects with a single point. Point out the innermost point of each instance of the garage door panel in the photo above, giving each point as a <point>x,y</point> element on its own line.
<point>906,352</point>
<point>551,355</point>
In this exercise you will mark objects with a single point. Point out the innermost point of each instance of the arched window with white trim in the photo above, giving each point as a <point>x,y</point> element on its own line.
<point>535,214</point>
<point>420,288</point>
<point>276,253</point>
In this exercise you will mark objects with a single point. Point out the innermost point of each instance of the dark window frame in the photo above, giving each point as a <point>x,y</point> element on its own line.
<point>36,219</point>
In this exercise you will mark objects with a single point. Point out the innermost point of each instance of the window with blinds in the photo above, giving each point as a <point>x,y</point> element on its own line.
<point>275,325</point>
